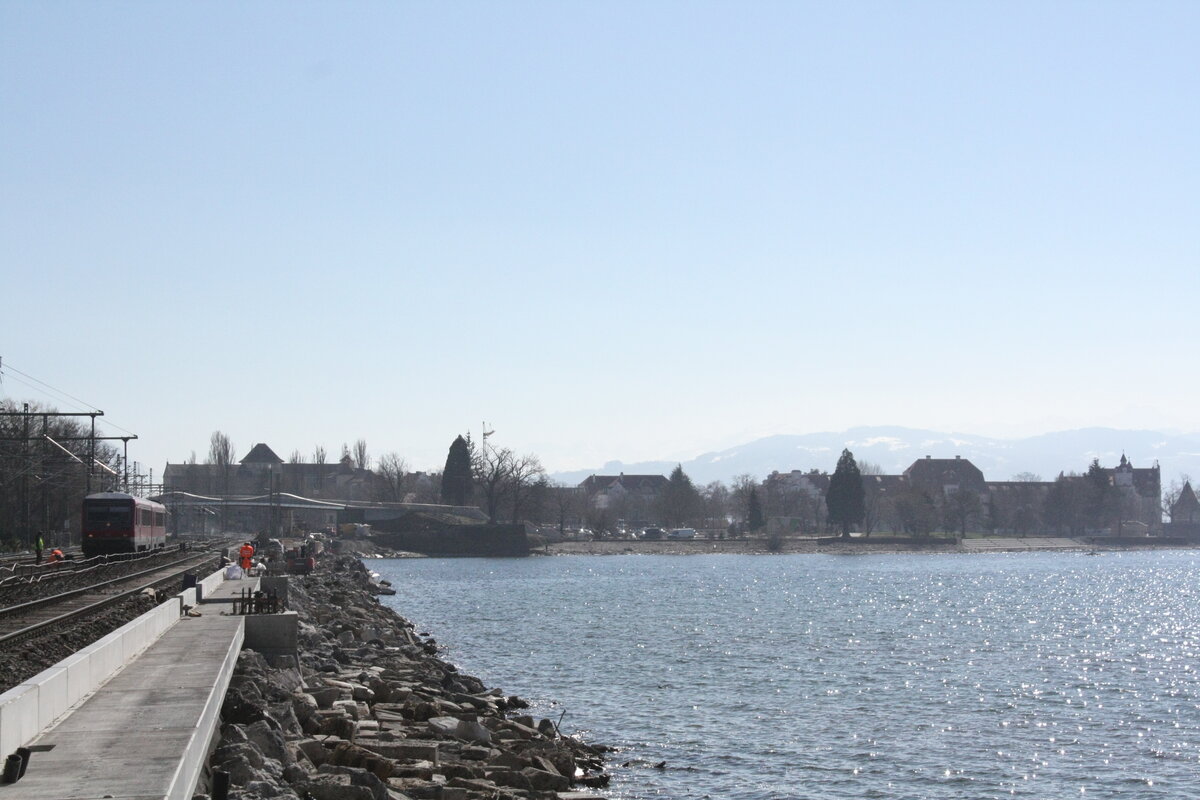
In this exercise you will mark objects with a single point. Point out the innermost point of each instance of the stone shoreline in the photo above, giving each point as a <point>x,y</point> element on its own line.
<point>813,546</point>
<point>367,711</point>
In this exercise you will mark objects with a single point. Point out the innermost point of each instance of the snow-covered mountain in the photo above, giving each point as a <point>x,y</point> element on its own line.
<point>895,448</point>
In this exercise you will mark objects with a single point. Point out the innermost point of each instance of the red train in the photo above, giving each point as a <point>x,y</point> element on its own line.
<point>115,522</point>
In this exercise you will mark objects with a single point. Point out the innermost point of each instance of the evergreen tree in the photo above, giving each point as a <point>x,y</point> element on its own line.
<point>457,480</point>
<point>845,496</point>
<point>680,502</point>
<point>754,516</point>
<point>1103,499</point>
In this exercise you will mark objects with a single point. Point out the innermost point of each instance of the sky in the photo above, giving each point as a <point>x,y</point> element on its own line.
<point>611,230</point>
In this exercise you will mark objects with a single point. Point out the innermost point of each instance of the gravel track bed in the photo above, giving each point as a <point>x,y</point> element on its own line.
<point>21,662</point>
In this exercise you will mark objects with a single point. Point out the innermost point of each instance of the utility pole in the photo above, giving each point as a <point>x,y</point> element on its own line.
<point>45,479</point>
<point>91,454</point>
<point>25,523</point>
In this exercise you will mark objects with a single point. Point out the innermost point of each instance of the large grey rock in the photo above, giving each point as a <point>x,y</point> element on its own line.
<point>314,750</point>
<point>240,773</point>
<point>342,726</point>
<point>325,695</point>
<point>358,778</point>
<point>406,749</point>
<point>239,752</point>
<point>542,780</point>
<point>267,790</point>
<point>336,787</point>
<point>443,726</point>
<point>294,773</point>
<point>285,715</point>
<point>304,705</point>
<point>269,741</point>
<point>381,688</point>
<point>349,708</point>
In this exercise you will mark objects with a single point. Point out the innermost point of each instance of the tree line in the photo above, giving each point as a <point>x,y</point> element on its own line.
<point>44,472</point>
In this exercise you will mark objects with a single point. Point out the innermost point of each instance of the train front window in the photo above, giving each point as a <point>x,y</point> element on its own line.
<point>101,516</point>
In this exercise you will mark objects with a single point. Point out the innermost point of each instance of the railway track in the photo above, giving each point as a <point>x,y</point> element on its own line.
<point>9,559</point>
<point>23,621</point>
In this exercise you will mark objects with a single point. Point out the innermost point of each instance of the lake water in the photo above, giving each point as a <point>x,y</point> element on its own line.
<point>1047,675</point>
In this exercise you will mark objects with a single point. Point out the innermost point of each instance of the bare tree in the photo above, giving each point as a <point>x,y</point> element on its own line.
<point>916,512</point>
<point>1027,477</point>
<point>426,487</point>
<point>319,454</point>
<point>717,505</point>
<point>525,474</point>
<point>391,472</point>
<point>490,468</point>
<point>1171,495</point>
<point>961,509</point>
<point>220,454</point>
<point>220,449</point>
<point>295,457</point>
<point>361,459</point>
<point>872,495</point>
<point>739,495</point>
<point>567,503</point>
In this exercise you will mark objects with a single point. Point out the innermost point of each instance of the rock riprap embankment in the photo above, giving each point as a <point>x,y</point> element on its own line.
<point>369,712</point>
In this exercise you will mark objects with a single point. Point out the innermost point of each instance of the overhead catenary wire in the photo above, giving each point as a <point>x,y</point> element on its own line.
<point>9,369</point>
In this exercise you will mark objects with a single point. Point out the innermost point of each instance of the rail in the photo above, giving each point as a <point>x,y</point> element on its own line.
<point>27,559</point>
<point>25,572</point>
<point>165,574</point>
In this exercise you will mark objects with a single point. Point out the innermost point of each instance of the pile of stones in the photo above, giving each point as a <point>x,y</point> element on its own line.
<point>367,711</point>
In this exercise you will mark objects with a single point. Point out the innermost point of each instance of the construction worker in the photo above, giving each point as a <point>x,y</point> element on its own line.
<point>37,548</point>
<point>56,555</point>
<point>246,556</point>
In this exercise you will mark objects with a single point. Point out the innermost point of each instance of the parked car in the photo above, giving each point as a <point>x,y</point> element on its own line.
<point>652,534</point>
<point>682,533</point>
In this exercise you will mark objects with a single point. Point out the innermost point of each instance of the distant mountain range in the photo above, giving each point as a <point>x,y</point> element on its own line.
<point>895,448</point>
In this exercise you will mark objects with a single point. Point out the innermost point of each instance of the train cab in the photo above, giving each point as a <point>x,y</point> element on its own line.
<point>115,522</point>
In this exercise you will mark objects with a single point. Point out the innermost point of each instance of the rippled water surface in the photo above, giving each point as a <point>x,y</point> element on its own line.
<point>1024,675</point>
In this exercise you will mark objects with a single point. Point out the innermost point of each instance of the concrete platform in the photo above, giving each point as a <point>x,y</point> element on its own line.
<point>1031,543</point>
<point>144,735</point>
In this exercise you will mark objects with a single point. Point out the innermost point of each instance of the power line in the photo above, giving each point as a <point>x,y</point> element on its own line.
<point>60,392</point>
<point>84,403</point>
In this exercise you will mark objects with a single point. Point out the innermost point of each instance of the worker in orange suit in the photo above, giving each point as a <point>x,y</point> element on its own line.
<point>246,556</point>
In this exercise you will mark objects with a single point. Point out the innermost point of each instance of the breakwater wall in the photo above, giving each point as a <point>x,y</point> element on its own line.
<point>456,540</point>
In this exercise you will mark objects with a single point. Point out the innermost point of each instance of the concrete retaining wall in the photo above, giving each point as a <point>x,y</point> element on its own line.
<point>28,709</point>
<point>195,755</point>
<point>454,540</point>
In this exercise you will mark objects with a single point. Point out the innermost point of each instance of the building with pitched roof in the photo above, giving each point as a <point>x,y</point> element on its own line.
<point>261,471</point>
<point>945,476</point>
<point>629,497</point>
<point>1186,508</point>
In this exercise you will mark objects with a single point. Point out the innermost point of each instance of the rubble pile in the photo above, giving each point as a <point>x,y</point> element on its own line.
<point>367,711</point>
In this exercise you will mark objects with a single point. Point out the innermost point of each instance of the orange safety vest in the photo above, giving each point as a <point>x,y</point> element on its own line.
<point>246,553</point>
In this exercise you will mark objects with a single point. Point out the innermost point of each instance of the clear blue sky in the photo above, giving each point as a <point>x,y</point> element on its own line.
<point>612,230</point>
